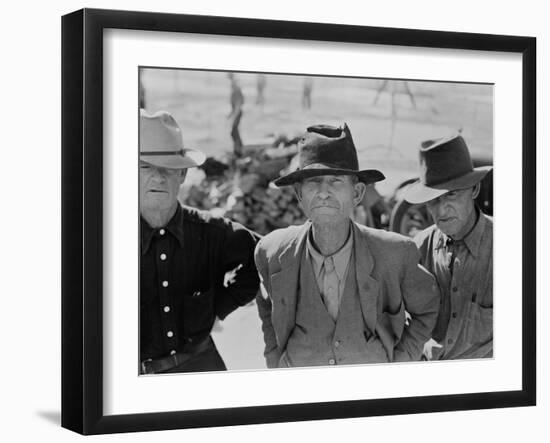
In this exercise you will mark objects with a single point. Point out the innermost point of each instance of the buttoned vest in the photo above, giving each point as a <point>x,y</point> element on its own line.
<point>319,340</point>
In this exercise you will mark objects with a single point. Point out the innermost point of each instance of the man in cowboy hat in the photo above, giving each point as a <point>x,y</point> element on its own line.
<point>334,292</point>
<point>186,257</point>
<point>457,249</point>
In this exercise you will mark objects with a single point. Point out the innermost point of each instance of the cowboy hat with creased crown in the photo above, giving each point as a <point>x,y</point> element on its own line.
<point>445,165</point>
<point>161,142</point>
<point>328,150</point>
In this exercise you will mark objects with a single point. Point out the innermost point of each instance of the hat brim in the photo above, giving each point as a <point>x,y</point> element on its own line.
<point>418,192</point>
<point>366,176</point>
<point>190,159</point>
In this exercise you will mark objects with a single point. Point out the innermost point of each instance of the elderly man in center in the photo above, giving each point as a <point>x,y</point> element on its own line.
<point>334,292</point>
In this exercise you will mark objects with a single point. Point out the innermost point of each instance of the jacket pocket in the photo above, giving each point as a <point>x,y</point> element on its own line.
<point>376,352</point>
<point>479,324</point>
<point>393,323</point>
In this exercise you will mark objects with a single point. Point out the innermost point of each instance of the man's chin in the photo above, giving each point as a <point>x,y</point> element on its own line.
<point>328,218</point>
<point>157,203</point>
<point>447,228</point>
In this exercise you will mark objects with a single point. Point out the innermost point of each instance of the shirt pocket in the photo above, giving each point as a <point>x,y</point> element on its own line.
<point>479,324</point>
<point>198,311</point>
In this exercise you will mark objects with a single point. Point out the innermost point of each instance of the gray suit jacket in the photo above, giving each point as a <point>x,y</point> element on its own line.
<point>389,279</point>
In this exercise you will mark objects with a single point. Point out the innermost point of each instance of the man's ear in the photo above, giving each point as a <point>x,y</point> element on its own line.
<point>476,190</point>
<point>360,189</point>
<point>298,191</point>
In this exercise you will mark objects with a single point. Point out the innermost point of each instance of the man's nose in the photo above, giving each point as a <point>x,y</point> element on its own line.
<point>159,174</point>
<point>324,190</point>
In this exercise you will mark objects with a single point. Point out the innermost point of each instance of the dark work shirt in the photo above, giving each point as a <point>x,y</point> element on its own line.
<point>464,273</point>
<point>182,271</point>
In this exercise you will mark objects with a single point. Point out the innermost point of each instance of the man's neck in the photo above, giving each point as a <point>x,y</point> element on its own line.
<point>469,227</point>
<point>157,218</point>
<point>329,239</point>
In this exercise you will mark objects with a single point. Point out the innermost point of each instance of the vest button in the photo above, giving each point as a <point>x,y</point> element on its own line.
<point>337,343</point>
<point>331,361</point>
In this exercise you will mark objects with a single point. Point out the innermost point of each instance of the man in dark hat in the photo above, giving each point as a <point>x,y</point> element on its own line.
<point>457,249</point>
<point>334,292</point>
<point>193,267</point>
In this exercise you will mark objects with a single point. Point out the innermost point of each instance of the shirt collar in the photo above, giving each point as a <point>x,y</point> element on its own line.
<point>174,227</point>
<point>341,257</point>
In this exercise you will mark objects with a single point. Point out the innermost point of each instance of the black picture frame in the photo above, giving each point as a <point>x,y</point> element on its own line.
<point>82,218</point>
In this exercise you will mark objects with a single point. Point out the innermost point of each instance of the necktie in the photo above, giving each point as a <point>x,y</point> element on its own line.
<point>330,287</point>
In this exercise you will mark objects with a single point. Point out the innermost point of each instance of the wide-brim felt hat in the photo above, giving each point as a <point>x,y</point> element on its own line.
<point>445,165</point>
<point>328,150</point>
<point>161,143</point>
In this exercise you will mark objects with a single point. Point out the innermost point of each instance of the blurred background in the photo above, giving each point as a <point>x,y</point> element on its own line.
<point>248,124</point>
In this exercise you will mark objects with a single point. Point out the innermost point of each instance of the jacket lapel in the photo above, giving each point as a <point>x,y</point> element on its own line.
<point>366,284</point>
<point>284,285</point>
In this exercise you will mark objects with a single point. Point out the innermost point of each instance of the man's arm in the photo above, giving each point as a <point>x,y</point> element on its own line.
<point>421,297</point>
<point>241,280</point>
<point>263,301</point>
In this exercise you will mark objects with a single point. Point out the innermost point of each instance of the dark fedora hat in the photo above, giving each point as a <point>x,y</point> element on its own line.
<point>328,150</point>
<point>445,165</point>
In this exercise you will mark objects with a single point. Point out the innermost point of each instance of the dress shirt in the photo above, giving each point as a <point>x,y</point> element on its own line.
<point>182,269</point>
<point>464,272</point>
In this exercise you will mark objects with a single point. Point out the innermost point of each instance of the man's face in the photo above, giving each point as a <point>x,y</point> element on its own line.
<point>454,211</point>
<point>329,198</point>
<point>158,187</point>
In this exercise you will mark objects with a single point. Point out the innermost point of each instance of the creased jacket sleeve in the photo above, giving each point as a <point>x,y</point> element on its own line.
<point>263,301</point>
<point>421,298</point>
<point>238,251</point>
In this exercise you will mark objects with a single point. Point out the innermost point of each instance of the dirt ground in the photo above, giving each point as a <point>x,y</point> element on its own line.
<point>387,135</point>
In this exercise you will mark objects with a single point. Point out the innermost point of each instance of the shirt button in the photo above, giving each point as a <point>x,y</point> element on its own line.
<point>450,341</point>
<point>172,352</point>
<point>162,232</point>
<point>454,314</point>
<point>337,343</point>
<point>167,309</point>
<point>170,334</point>
<point>165,283</point>
<point>331,361</point>
<point>163,256</point>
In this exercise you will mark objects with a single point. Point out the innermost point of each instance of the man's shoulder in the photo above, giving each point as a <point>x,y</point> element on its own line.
<point>488,221</point>
<point>280,238</point>
<point>208,221</point>
<point>382,237</point>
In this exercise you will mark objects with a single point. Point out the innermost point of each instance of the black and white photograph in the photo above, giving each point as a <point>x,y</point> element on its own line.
<point>279,221</point>
<point>291,221</point>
